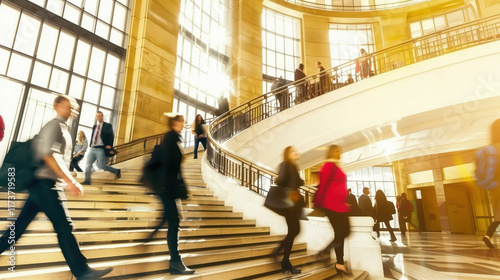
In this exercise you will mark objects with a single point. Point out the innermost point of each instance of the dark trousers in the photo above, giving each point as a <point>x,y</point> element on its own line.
<point>74,163</point>
<point>197,142</point>
<point>171,215</point>
<point>492,228</point>
<point>402,224</point>
<point>293,224</point>
<point>342,229</point>
<point>387,225</point>
<point>44,197</point>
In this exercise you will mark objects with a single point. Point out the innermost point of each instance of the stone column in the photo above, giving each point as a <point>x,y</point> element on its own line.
<point>246,56</point>
<point>316,43</point>
<point>148,88</point>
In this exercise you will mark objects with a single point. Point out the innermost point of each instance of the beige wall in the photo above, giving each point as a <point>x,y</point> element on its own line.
<point>148,88</point>
<point>316,43</point>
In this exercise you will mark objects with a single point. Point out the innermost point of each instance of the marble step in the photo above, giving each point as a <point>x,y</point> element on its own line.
<point>202,200</point>
<point>27,257</point>
<point>87,237</point>
<point>133,224</point>
<point>158,264</point>
<point>247,269</point>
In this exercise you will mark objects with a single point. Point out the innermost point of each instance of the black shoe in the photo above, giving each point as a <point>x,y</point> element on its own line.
<point>118,174</point>
<point>488,243</point>
<point>92,274</point>
<point>289,268</point>
<point>85,183</point>
<point>178,267</point>
<point>393,239</point>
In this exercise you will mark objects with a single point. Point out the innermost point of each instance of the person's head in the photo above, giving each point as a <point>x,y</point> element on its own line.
<point>301,66</point>
<point>290,155</point>
<point>99,116</point>
<point>349,76</point>
<point>81,135</point>
<point>199,118</point>
<point>366,190</point>
<point>495,132</point>
<point>362,51</point>
<point>380,196</point>
<point>350,191</point>
<point>398,198</point>
<point>176,123</point>
<point>318,64</point>
<point>403,195</point>
<point>334,152</point>
<point>64,107</point>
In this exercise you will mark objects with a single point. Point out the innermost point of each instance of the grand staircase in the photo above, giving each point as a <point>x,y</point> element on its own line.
<point>114,218</point>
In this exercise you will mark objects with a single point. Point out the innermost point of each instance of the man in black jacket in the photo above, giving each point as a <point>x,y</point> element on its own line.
<point>101,140</point>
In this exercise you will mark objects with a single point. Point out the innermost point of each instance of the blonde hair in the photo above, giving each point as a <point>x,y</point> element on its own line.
<point>171,120</point>
<point>286,154</point>
<point>331,150</point>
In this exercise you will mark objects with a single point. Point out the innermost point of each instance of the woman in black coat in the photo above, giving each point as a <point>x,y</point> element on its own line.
<point>173,188</point>
<point>289,178</point>
<point>383,213</point>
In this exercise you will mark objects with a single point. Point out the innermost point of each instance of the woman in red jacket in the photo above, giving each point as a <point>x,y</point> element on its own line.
<point>331,197</point>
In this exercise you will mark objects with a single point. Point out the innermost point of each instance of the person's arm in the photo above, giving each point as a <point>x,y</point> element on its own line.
<point>55,163</point>
<point>47,149</point>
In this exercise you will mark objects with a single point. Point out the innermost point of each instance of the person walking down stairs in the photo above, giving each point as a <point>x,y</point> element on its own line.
<point>173,188</point>
<point>53,149</point>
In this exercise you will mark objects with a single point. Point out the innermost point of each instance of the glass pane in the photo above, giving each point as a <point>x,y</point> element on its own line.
<point>124,2</point>
<point>87,114</point>
<point>91,6</point>
<point>41,74</point>
<point>102,29</point>
<point>55,6</point>
<point>120,17</point>
<point>440,22</point>
<point>116,37</point>
<point>92,92</point>
<point>27,34</point>
<point>48,41</point>
<point>72,13</point>
<point>59,80</point>
<point>65,49</point>
<point>112,70</point>
<point>105,9</point>
<point>8,16</point>
<point>81,58</point>
<point>77,3</point>
<point>88,22</point>
<point>40,3</point>
<point>107,97</point>
<point>19,67</point>
<point>96,64</point>
<point>4,60</point>
<point>76,87</point>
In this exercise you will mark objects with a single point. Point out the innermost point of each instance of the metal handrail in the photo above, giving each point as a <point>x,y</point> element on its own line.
<point>355,8</point>
<point>145,145</point>
<point>258,178</point>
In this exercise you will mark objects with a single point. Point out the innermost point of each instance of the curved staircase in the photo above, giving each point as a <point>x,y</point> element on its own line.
<point>114,218</point>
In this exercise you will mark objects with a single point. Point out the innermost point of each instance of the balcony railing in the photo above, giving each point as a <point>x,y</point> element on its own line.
<point>258,178</point>
<point>351,6</point>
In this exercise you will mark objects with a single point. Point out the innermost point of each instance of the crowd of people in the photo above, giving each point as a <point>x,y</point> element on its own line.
<point>321,83</point>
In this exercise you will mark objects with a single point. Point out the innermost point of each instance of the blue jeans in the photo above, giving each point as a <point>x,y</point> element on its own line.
<point>102,162</point>
<point>46,198</point>
<point>197,143</point>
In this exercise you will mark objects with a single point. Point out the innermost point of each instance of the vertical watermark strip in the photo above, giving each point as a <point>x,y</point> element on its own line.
<point>11,206</point>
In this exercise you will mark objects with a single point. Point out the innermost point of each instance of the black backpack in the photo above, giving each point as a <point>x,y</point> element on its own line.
<point>18,169</point>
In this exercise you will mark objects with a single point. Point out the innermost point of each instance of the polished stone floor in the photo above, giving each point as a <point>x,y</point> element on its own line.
<point>429,256</point>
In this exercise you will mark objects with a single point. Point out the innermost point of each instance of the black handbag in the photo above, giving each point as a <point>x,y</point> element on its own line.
<point>278,200</point>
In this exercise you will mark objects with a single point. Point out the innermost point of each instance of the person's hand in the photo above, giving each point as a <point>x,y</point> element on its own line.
<point>74,188</point>
<point>108,147</point>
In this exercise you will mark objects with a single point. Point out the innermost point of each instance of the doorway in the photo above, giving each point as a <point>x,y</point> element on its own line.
<point>459,208</point>
<point>427,209</point>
